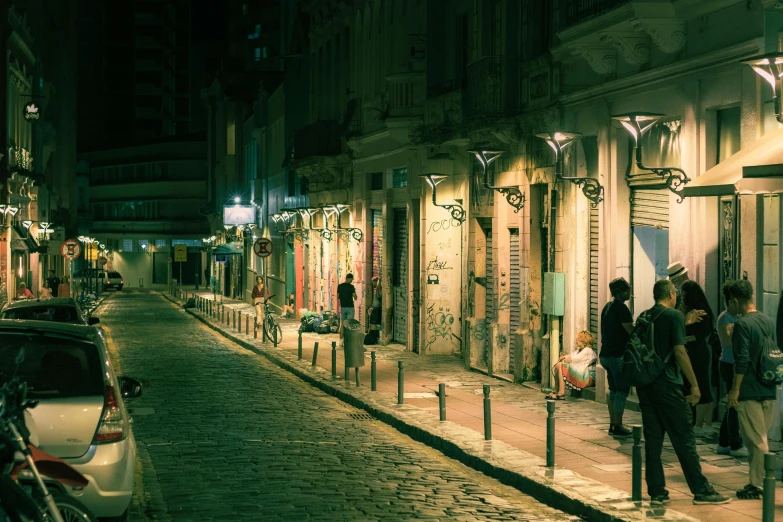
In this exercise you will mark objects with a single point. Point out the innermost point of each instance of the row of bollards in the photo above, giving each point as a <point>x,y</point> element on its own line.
<point>217,311</point>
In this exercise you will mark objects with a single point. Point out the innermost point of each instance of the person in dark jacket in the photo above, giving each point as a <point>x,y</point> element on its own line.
<point>754,401</point>
<point>699,351</point>
<point>616,326</point>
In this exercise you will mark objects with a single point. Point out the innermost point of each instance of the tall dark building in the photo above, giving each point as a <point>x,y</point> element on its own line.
<point>135,72</point>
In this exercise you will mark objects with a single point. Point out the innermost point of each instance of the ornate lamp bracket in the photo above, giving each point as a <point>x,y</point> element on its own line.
<point>591,187</point>
<point>456,210</point>
<point>637,123</point>
<point>513,195</point>
<point>355,233</point>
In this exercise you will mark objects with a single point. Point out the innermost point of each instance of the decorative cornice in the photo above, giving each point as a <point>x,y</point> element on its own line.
<point>601,58</point>
<point>634,48</point>
<point>667,33</point>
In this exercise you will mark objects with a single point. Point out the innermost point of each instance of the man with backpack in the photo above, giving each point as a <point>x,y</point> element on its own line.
<point>757,372</point>
<point>653,362</point>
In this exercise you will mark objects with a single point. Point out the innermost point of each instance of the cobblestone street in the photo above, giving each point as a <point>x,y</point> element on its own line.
<point>225,435</point>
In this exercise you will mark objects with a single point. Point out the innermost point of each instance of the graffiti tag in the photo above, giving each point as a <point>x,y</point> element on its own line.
<point>443,224</point>
<point>437,264</point>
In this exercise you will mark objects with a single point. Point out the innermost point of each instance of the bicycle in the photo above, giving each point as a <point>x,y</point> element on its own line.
<point>272,329</point>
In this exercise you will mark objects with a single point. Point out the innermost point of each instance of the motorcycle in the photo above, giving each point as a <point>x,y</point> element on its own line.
<point>32,483</point>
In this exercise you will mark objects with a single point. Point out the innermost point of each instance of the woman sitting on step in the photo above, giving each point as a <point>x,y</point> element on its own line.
<point>577,371</point>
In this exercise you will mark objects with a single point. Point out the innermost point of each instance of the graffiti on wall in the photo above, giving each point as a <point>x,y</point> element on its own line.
<point>437,263</point>
<point>438,325</point>
<point>443,224</point>
<point>479,329</point>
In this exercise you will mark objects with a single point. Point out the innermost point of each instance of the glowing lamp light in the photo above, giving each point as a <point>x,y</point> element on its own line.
<point>455,209</point>
<point>237,199</point>
<point>637,123</point>
<point>559,141</point>
<point>770,67</point>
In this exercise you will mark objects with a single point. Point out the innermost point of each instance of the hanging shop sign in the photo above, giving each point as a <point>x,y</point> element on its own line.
<point>32,112</point>
<point>239,214</point>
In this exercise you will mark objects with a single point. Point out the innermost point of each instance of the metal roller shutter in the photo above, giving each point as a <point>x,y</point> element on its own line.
<point>490,306</point>
<point>514,292</point>
<point>400,276</point>
<point>650,208</point>
<point>377,242</point>
<point>594,271</point>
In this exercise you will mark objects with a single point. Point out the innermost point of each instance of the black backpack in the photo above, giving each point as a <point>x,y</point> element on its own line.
<point>641,363</point>
<point>769,366</point>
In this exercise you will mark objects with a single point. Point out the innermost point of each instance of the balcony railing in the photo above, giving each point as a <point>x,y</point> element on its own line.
<point>578,11</point>
<point>322,138</point>
<point>353,118</point>
<point>489,90</point>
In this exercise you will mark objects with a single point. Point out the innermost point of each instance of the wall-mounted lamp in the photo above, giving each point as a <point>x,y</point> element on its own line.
<point>637,123</point>
<point>513,195</point>
<point>144,249</point>
<point>770,67</point>
<point>355,233</point>
<point>27,224</point>
<point>591,188</point>
<point>288,216</point>
<point>324,231</point>
<point>456,210</point>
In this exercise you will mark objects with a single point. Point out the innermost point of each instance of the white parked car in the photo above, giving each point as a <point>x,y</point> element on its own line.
<point>81,416</point>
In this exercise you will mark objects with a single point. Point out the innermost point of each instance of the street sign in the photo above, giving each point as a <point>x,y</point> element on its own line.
<point>102,261</point>
<point>263,247</point>
<point>71,249</point>
<point>180,253</point>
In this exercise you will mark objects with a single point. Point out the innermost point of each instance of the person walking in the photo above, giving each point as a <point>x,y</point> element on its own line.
<point>64,288</point>
<point>616,326</point>
<point>346,293</point>
<point>665,408</point>
<point>259,295</point>
<point>697,345</point>
<point>730,441</point>
<point>53,282</point>
<point>754,400</point>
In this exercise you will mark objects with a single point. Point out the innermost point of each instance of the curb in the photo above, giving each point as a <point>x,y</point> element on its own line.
<point>489,457</point>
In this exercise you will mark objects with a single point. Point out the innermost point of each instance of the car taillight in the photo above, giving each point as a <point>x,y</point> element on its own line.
<point>122,282</point>
<point>112,425</point>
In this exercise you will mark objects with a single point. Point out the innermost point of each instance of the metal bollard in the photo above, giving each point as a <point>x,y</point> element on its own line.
<point>487,414</point>
<point>636,465</point>
<point>233,319</point>
<point>550,434</point>
<point>299,346</point>
<point>373,373</point>
<point>357,377</point>
<point>315,355</point>
<point>247,324</point>
<point>239,321</point>
<point>768,501</point>
<point>442,401</point>
<point>334,360</point>
<point>255,329</point>
<point>400,382</point>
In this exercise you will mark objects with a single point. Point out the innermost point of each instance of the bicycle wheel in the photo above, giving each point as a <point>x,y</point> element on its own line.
<point>272,330</point>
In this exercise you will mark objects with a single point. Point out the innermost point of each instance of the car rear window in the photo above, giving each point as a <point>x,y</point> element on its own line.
<point>115,275</point>
<point>53,367</point>
<point>58,314</point>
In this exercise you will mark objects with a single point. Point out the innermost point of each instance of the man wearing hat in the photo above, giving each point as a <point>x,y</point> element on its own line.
<point>678,274</point>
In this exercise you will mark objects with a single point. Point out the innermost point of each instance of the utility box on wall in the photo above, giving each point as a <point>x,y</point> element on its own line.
<point>553,300</point>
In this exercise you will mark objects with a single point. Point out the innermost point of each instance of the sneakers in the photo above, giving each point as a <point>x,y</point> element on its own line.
<point>620,431</point>
<point>726,450</point>
<point>710,497</point>
<point>660,500</point>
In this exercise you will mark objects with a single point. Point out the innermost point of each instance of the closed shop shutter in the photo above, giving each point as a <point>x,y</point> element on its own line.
<point>490,307</point>
<point>400,276</point>
<point>594,271</point>
<point>650,208</point>
<point>514,292</point>
<point>377,242</point>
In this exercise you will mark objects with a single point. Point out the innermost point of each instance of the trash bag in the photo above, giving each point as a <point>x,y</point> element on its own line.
<point>323,327</point>
<point>191,303</point>
<point>372,337</point>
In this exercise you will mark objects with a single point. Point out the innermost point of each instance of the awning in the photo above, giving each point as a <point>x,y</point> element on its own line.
<point>228,249</point>
<point>755,169</point>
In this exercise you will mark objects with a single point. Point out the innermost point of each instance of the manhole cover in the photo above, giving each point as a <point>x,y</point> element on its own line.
<point>361,416</point>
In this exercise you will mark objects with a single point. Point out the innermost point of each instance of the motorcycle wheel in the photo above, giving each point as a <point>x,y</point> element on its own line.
<point>70,509</point>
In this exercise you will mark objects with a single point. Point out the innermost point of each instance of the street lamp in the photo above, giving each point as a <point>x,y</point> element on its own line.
<point>637,123</point>
<point>770,67</point>
<point>144,249</point>
<point>456,210</point>
<point>559,141</point>
<point>513,195</point>
<point>355,233</point>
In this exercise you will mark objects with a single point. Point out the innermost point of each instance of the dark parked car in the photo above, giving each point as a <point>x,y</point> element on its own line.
<point>56,309</point>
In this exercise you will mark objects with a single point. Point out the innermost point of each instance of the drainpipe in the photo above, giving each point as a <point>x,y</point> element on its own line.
<point>554,321</point>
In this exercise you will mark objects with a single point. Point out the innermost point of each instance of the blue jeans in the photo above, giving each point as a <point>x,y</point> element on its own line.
<point>347,313</point>
<point>618,390</point>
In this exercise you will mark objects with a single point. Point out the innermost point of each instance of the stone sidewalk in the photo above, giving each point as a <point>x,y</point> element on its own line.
<point>592,478</point>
